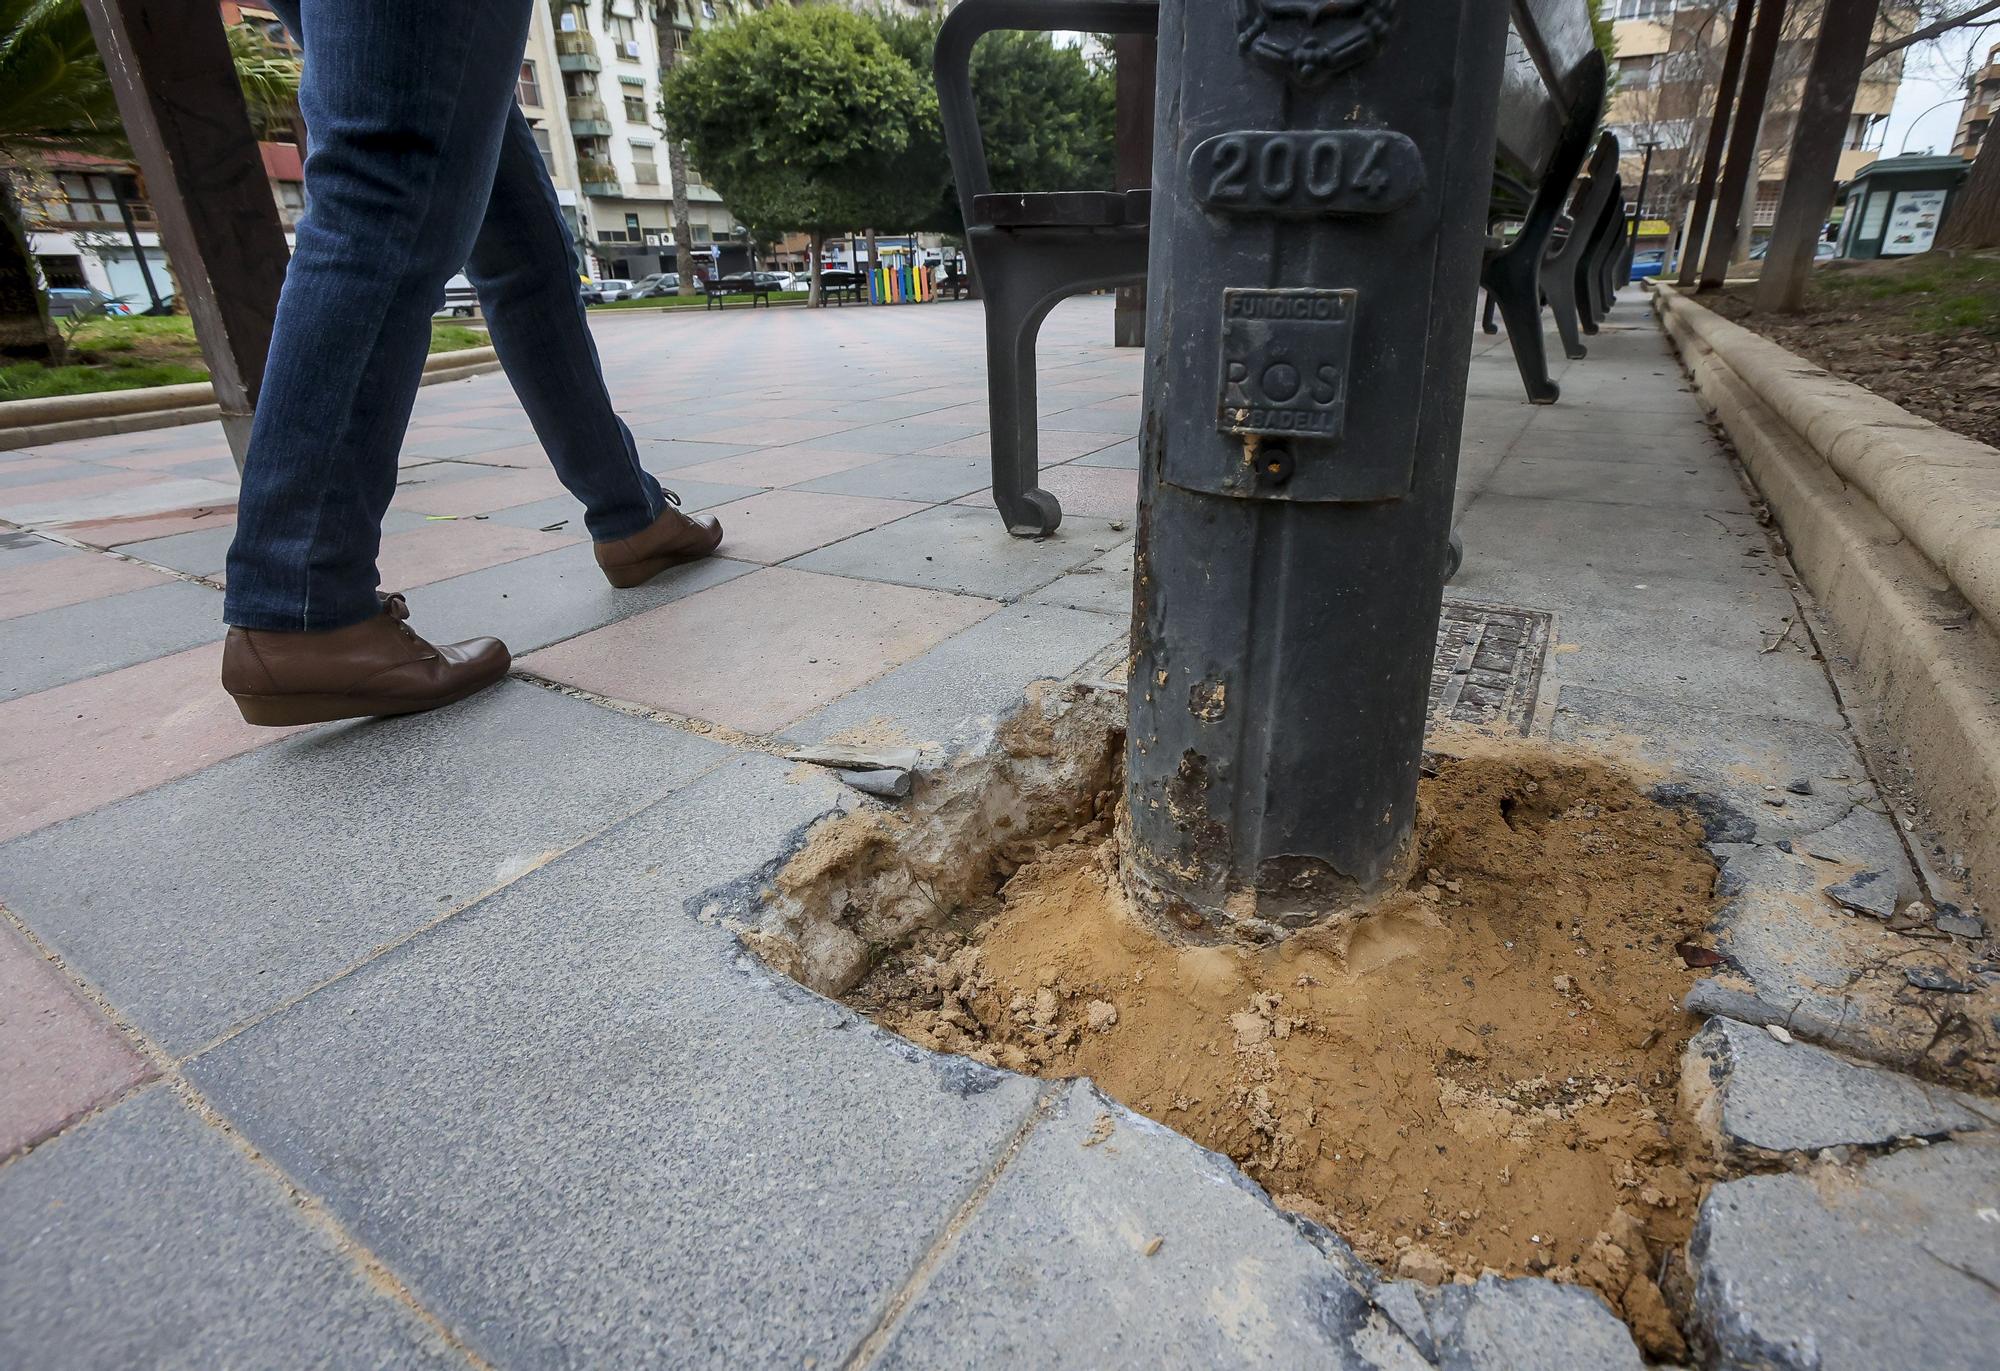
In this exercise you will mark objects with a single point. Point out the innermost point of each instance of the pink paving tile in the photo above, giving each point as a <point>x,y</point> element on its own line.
<point>781,524</point>
<point>28,466</point>
<point>440,551</point>
<point>69,579</point>
<point>1102,492</point>
<point>761,651</point>
<point>784,466</point>
<point>59,1057</point>
<point>137,528</point>
<point>481,494</point>
<point>774,432</point>
<point>76,487</point>
<point>120,495</point>
<point>72,749</point>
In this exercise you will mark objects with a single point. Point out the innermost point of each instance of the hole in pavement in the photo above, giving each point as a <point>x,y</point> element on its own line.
<point>1479,1073</point>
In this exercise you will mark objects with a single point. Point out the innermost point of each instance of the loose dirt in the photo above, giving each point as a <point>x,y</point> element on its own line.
<point>1479,1074</point>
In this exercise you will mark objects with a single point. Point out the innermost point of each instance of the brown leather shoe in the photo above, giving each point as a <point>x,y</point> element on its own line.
<point>378,666</point>
<point>670,540</point>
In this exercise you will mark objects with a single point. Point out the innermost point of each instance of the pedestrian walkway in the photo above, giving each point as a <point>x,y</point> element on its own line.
<point>428,1042</point>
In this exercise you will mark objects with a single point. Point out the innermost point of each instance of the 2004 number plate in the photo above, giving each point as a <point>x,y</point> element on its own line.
<point>1307,173</point>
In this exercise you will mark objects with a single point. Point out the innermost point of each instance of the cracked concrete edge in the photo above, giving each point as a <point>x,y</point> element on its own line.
<point>1923,653</point>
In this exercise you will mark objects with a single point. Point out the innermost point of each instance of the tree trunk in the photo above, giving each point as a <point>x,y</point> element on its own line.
<point>25,332</point>
<point>1733,216</point>
<point>1974,221</point>
<point>1845,30</point>
<point>813,297</point>
<point>677,170</point>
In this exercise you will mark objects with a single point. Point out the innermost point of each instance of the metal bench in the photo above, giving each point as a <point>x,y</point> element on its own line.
<point>719,291</point>
<point>1551,97</point>
<point>1031,251</point>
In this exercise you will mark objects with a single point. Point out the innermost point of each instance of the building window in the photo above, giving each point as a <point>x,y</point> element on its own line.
<point>624,37</point>
<point>635,108</point>
<point>547,149</point>
<point>89,199</point>
<point>647,172</point>
<point>1637,73</point>
<point>63,272</point>
<point>529,91</point>
<point>632,228</point>
<point>1644,9</point>
<point>700,233</point>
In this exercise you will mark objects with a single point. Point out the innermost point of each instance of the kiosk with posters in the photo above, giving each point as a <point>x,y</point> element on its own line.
<point>1894,206</point>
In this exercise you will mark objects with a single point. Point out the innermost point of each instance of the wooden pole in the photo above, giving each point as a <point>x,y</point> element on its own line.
<point>1841,51</point>
<point>184,114</point>
<point>1718,136</point>
<point>1741,161</point>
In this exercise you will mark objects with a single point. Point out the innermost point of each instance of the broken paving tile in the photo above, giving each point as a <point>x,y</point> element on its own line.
<point>1496,1325</point>
<point>1949,918</point>
<point>1937,978</point>
<point>843,757</point>
<point>1872,893</point>
<point>1829,1272</point>
<point>1750,1090</point>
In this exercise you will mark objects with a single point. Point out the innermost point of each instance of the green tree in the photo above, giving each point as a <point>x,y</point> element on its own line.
<point>56,97</point>
<point>1048,112</point>
<point>805,120</point>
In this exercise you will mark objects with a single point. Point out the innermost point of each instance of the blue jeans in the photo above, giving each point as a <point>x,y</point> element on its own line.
<point>418,163</point>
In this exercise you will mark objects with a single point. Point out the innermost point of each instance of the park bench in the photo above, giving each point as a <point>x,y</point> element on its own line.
<point>1032,250</point>
<point>720,289</point>
<point>1551,97</point>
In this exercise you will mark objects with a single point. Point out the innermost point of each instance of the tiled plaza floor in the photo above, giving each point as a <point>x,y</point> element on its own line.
<point>406,1043</point>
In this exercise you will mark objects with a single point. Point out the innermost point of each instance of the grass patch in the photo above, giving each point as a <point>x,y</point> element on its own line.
<point>135,353</point>
<point>1934,292</point>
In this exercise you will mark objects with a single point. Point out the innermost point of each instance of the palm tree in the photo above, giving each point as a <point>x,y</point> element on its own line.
<point>56,97</point>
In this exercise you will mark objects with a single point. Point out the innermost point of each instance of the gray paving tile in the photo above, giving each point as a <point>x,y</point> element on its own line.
<point>954,547</point>
<point>1693,480</point>
<point>957,690</point>
<point>539,600</point>
<point>1663,544</point>
<point>1053,1271</point>
<point>662,454</point>
<point>1123,455</point>
<point>18,549</point>
<point>205,551</point>
<point>144,1239</point>
<point>246,884</point>
<point>1102,585</point>
<point>57,646</point>
<point>585,1131</point>
<point>65,471</point>
<point>930,479</point>
<point>897,438</point>
<point>694,495</point>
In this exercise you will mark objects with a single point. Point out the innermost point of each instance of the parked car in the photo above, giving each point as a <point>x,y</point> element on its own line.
<point>461,301</point>
<point>68,302</point>
<point>1823,251</point>
<point>1648,263</point>
<point>603,292</point>
<point>651,287</point>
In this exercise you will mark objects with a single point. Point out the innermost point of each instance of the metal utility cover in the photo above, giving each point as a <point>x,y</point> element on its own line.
<point>1488,667</point>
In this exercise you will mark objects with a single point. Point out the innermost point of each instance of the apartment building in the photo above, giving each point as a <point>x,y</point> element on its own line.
<point>1669,62</point>
<point>1982,98</point>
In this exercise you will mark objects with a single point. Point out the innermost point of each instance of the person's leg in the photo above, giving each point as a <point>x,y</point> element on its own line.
<point>404,108</point>
<point>523,265</point>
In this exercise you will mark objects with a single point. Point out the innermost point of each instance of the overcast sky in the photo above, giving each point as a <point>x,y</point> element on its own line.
<point>1932,93</point>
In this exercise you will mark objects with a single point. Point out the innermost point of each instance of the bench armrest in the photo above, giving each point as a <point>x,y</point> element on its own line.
<point>952,63</point>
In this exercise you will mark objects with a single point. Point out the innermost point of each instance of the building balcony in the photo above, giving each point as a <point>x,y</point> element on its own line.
<point>577,52</point>
<point>588,118</point>
<point>597,178</point>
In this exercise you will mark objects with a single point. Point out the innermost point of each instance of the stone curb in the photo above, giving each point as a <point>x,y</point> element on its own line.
<point>60,418</point>
<point>1894,524</point>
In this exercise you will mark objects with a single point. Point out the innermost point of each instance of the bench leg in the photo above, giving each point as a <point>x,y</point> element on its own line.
<point>1490,321</point>
<point>1560,285</point>
<point>1012,325</point>
<point>1512,286</point>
